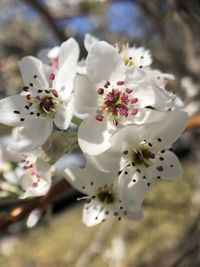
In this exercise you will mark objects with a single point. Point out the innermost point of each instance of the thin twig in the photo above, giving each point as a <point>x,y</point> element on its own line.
<point>20,212</point>
<point>43,11</point>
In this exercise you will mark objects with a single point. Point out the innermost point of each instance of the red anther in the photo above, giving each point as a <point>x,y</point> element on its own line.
<point>100,91</point>
<point>34,184</point>
<point>120,83</point>
<point>107,84</point>
<point>51,76</point>
<point>134,112</point>
<point>128,90</point>
<point>134,100</point>
<point>115,122</point>
<point>54,92</point>
<point>99,117</point>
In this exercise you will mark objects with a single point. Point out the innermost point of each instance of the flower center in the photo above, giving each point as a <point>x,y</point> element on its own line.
<point>39,102</point>
<point>47,104</point>
<point>106,196</point>
<point>140,155</point>
<point>128,61</point>
<point>115,102</point>
<point>44,104</point>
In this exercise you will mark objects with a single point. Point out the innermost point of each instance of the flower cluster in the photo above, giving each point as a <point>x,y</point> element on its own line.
<point>114,107</point>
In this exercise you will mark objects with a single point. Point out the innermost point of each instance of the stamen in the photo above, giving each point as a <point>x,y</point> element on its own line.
<point>128,90</point>
<point>28,97</point>
<point>134,112</point>
<point>25,88</point>
<point>34,184</point>
<point>100,91</point>
<point>107,84</point>
<point>134,100</point>
<point>160,168</point>
<point>51,76</point>
<point>54,92</point>
<point>115,122</point>
<point>99,117</point>
<point>120,83</point>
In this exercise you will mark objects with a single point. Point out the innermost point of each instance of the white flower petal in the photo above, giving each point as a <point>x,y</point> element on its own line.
<point>44,169</point>
<point>29,67</point>
<point>126,137</point>
<point>93,136</point>
<point>93,215</point>
<point>69,51</point>
<point>104,63</point>
<point>88,179</point>
<point>42,188</point>
<point>42,185</point>
<point>54,52</point>
<point>134,191</point>
<point>146,115</point>
<point>167,166</point>
<point>89,41</point>
<point>85,96</point>
<point>150,95</point>
<point>81,67</point>
<point>68,57</point>
<point>31,136</point>
<point>164,133</point>
<point>13,111</point>
<point>64,114</point>
<point>74,159</point>
<point>140,56</point>
<point>108,161</point>
<point>158,77</point>
<point>134,215</point>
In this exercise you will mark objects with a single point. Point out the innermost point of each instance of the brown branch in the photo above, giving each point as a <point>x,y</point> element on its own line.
<point>20,212</point>
<point>194,122</point>
<point>43,11</point>
<point>191,56</point>
<point>154,13</point>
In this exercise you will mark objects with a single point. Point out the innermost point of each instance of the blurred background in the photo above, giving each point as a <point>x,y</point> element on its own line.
<point>50,232</point>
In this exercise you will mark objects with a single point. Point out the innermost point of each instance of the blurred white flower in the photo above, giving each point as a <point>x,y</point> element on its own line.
<point>36,179</point>
<point>116,253</point>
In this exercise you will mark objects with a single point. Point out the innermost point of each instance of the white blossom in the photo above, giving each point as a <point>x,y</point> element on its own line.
<point>144,150</point>
<point>36,178</point>
<point>112,100</point>
<point>107,194</point>
<point>46,99</point>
